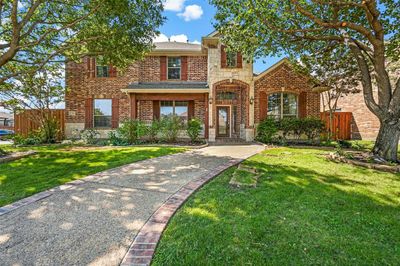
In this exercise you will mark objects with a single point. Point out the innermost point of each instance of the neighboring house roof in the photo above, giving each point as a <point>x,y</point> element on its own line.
<point>171,86</point>
<point>6,115</point>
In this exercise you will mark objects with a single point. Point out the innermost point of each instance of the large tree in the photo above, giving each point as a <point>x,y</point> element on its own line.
<point>34,33</point>
<point>369,29</point>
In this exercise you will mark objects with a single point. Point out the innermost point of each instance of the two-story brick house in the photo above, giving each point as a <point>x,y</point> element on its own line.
<point>188,80</point>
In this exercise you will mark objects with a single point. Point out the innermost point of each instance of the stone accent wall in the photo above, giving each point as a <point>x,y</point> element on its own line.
<point>284,79</point>
<point>197,68</point>
<point>365,125</point>
<point>219,75</point>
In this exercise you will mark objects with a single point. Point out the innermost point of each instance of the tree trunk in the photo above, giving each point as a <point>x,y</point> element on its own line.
<point>387,141</point>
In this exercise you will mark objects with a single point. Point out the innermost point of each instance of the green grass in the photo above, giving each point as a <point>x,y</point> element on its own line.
<point>244,177</point>
<point>54,165</point>
<point>305,210</point>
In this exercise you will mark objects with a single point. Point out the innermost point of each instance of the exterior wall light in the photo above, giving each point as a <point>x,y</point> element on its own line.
<point>251,100</point>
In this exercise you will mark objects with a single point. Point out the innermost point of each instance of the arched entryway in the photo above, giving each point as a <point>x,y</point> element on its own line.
<point>230,108</point>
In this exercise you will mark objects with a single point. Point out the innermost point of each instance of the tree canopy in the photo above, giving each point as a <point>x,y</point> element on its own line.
<point>368,29</point>
<point>35,33</point>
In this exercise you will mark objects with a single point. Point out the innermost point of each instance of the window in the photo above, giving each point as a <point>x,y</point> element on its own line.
<point>103,71</point>
<point>102,113</point>
<point>178,108</point>
<point>226,95</point>
<point>174,68</point>
<point>282,105</point>
<point>231,59</point>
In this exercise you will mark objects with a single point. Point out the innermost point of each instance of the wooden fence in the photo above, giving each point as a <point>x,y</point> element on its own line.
<point>341,128</point>
<point>24,122</point>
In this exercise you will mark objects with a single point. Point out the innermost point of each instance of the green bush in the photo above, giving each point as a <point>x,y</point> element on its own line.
<point>131,131</point>
<point>50,130</point>
<point>115,140</point>
<point>2,152</point>
<point>193,129</point>
<point>267,130</point>
<point>170,127</point>
<point>89,136</point>
<point>312,127</point>
<point>33,138</point>
<point>153,130</point>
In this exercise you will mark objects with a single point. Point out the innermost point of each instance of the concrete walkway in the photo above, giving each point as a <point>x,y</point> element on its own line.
<point>94,222</point>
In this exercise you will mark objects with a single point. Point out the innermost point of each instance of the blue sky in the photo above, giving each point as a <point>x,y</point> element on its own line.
<point>192,19</point>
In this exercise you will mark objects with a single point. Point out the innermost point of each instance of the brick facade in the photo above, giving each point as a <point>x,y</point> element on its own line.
<point>204,64</point>
<point>282,78</point>
<point>365,125</point>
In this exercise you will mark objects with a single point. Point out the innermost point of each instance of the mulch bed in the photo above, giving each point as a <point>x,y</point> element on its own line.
<point>15,156</point>
<point>364,159</point>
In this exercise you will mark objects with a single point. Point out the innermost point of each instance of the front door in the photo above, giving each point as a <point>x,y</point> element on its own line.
<point>223,117</point>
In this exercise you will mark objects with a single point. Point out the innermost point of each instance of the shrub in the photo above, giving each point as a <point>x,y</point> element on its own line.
<point>50,130</point>
<point>89,136</point>
<point>312,127</point>
<point>153,130</point>
<point>33,138</point>
<point>170,127</point>
<point>193,129</point>
<point>131,131</point>
<point>115,140</point>
<point>287,126</point>
<point>267,130</point>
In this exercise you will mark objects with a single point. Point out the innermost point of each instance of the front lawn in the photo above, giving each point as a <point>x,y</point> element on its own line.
<point>305,210</point>
<point>56,164</point>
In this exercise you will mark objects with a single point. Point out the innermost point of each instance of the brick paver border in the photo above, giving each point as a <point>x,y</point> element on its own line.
<point>145,243</point>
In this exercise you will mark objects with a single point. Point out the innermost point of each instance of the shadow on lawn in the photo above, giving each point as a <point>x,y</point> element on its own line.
<point>52,167</point>
<point>296,215</point>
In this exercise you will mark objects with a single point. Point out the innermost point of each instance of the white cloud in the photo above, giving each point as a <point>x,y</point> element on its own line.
<point>174,38</point>
<point>174,5</point>
<point>161,38</point>
<point>191,12</point>
<point>179,38</point>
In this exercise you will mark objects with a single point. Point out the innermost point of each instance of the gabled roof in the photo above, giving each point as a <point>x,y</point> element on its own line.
<point>274,66</point>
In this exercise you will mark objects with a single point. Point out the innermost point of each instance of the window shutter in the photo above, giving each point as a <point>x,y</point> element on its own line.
<point>163,68</point>
<point>190,110</point>
<point>263,105</point>
<point>302,105</point>
<point>89,113</point>
<point>112,71</point>
<point>184,68</point>
<point>156,110</point>
<point>239,60</point>
<point>88,67</point>
<point>93,68</point>
<point>223,56</point>
<point>115,113</point>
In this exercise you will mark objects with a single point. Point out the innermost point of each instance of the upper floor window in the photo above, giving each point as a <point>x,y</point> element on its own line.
<point>231,59</point>
<point>102,71</point>
<point>102,113</point>
<point>174,68</point>
<point>282,105</point>
<point>226,95</point>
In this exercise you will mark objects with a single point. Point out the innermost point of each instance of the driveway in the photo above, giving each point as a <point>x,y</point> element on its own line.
<point>94,221</point>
